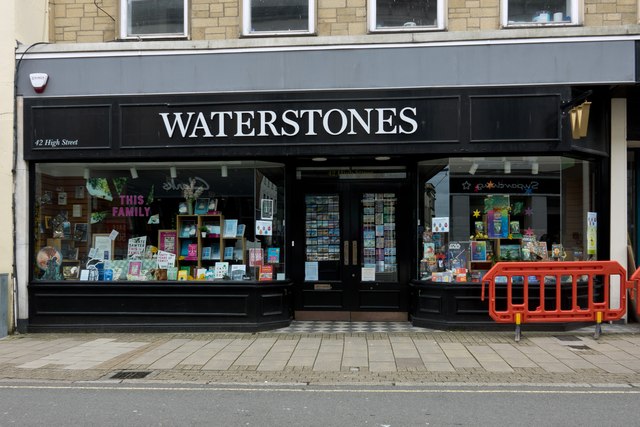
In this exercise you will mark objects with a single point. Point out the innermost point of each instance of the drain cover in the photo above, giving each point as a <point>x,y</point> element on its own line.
<point>567,338</point>
<point>130,375</point>
<point>580,347</point>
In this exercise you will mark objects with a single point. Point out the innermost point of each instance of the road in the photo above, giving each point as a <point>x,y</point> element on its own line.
<point>143,404</point>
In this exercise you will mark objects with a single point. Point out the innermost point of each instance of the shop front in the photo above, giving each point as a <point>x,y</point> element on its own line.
<point>243,211</point>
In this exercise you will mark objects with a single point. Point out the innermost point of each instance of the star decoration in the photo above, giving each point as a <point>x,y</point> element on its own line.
<point>466,185</point>
<point>476,213</point>
<point>528,191</point>
<point>477,188</point>
<point>529,231</point>
<point>528,211</point>
<point>490,185</point>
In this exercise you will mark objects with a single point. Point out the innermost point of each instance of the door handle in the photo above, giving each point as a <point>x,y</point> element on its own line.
<point>345,247</point>
<point>354,252</point>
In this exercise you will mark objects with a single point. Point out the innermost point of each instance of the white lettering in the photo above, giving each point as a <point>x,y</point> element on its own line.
<point>264,123</point>
<point>311,127</point>
<point>201,124</point>
<point>244,123</point>
<point>366,125</point>
<point>290,122</point>
<point>170,128</point>
<point>409,120</point>
<point>388,120</point>
<point>221,115</point>
<point>325,121</point>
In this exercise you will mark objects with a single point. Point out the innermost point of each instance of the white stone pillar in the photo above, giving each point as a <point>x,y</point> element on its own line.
<point>618,189</point>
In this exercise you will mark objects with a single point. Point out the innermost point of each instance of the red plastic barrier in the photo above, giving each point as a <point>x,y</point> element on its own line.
<point>635,290</point>
<point>551,287</point>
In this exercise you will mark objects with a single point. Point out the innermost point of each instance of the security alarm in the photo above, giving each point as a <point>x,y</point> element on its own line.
<point>39,81</point>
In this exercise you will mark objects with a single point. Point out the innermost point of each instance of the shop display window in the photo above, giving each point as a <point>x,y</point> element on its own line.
<point>191,221</point>
<point>539,12</point>
<point>278,17</point>
<point>478,211</point>
<point>410,15</point>
<point>153,18</point>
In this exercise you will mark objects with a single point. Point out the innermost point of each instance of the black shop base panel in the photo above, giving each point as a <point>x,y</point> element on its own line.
<point>188,306</point>
<point>458,306</point>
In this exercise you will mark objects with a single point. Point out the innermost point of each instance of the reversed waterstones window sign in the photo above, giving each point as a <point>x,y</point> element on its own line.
<point>267,123</point>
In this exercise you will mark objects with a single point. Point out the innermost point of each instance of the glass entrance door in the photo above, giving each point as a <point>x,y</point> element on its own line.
<point>349,262</point>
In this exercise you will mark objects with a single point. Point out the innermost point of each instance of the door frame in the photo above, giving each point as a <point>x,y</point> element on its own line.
<point>346,297</point>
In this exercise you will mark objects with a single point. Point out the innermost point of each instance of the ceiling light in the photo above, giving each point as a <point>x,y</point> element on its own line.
<point>473,168</point>
<point>507,166</point>
<point>382,158</point>
<point>173,172</point>
<point>534,168</point>
<point>319,159</point>
<point>134,173</point>
<point>223,171</point>
<point>87,173</point>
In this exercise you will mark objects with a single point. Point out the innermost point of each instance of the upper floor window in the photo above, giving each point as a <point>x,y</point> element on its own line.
<point>263,17</point>
<point>411,15</point>
<point>539,12</point>
<point>153,18</point>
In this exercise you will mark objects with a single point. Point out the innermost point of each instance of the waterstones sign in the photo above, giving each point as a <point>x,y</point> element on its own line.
<point>424,119</point>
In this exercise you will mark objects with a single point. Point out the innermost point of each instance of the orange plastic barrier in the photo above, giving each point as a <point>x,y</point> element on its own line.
<point>576,291</point>
<point>635,290</point>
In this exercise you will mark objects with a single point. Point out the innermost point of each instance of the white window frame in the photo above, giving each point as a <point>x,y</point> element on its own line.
<point>372,9</point>
<point>246,22</point>
<point>124,24</point>
<point>576,15</point>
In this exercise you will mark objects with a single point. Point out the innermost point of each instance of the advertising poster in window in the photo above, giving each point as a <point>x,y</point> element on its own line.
<point>592,232</point>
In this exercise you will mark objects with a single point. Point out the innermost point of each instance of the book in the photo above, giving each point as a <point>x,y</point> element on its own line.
<point>514,228</point>
<point>458,255</point>
<point>228,253</point>
<point>221,270</point>
<point>238,271</point>
<point>510,252</point>
<point>192,251</point>
<point>206,252</point>
<point>255,257</point>
<point>230,228</point>
<point>183,275</point>
<point>478,251</point>
<point>273,255</point>
<point>557,252</point>
<point>240,231</point>
<point>266,273</point>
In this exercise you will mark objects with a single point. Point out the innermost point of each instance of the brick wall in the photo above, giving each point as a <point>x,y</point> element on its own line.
<point>600,13</point>
<point>80,21</point>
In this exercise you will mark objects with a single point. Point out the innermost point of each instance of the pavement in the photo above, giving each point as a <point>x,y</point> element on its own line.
<point>299,355</point>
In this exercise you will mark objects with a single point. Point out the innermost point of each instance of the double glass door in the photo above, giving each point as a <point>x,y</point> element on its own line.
<point>351,249</point>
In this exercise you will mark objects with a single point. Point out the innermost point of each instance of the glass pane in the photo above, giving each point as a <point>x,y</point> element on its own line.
<point>322,225</point>
<point>280,15</point>
<point>379,235</point>
<point>109,222</point>
<point>539,11</point>
<point>406,13</point>
<point>156,17</point>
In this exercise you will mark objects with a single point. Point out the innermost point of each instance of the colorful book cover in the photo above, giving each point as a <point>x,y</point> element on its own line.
<point>192,251</point>
<point>228,252</point>
<point>255,257</point>
<point>183,275</point>
<point>478,251</point>
<point>557,252</point>
<point>510,252</point>
<point>266,273</point>
<point>238,271</point>
<point>273,255</point>
<point>458,255</point>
